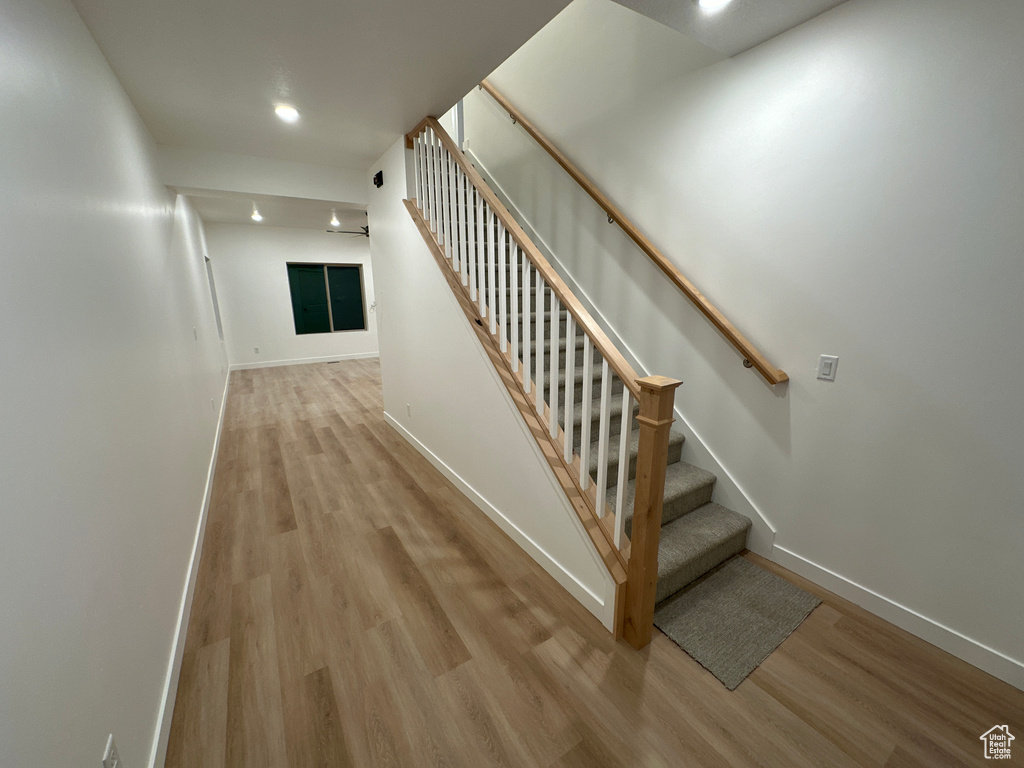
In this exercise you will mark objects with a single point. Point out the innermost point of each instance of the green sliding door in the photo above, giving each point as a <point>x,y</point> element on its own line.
<point>309,298</point>
<point>346,288</point>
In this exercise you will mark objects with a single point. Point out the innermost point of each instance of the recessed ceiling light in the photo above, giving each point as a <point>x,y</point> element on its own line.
<point>711,6</point>
<point>287,112</point>
<point>334,219</point>
<point>256,214</point>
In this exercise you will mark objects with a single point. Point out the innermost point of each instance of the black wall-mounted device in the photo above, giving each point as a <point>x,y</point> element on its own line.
<point>378,179</point>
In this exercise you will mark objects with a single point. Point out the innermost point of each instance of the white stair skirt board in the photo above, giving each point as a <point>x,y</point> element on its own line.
<point>162,732</point>
<point>602,608</point>
<point>999,665</point>
<point>303,361</point>
<point>728,490</point>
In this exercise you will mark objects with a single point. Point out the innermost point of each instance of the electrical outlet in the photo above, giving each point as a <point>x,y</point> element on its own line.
<point>195,333</point>
<point>110,757</point>
<point>256,350</point>
<point>408,409</point>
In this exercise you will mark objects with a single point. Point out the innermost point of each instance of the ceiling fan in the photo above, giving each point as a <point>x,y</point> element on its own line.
<point>363,231</point>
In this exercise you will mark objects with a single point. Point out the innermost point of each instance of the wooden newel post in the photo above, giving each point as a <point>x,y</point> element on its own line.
<point>657,394</point>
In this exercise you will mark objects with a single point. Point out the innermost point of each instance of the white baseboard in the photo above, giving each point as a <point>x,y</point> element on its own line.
<point>302,361</point>
<point>973,652</point>
<point>162,732</point>
<point>588,599</point>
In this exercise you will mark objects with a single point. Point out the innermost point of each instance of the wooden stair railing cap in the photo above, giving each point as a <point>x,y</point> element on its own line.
<point>658,382</point>
<point>750,353</point>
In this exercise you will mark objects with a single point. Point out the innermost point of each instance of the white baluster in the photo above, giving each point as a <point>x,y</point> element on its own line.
<point>464,227</point>
<point>417,158</point>
<point>429,161</point>
<point>527,346</point>
<point>586,407</point>
<point>514,309</point>
<point>603,438</point>
<point>484,216</point>
<point>503,290</point>
<point>539,357</point>
<point>449,211</point>
<point>437,189</point>
<point>438,208</point>
<point>570,384</point>
<point>453,180</point>
<point>471,205</point>
<point>421,141</point>
<point>456,214</point>
<point>620,487</point>
<point>553,368</point>
<point>492,258</point>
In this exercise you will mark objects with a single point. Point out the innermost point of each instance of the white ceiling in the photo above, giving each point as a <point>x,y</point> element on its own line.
<point>277,211</point>
<point>205,74</point>
<point>739,26</point>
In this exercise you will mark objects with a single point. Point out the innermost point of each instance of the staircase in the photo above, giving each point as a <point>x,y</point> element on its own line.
<point>696,533</point>
<point>604,429</point>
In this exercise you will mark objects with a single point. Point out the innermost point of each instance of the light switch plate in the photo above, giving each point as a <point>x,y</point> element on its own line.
<point>827,365</point>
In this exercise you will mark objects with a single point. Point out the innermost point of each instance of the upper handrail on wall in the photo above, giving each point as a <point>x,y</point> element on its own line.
<point>752,358</point>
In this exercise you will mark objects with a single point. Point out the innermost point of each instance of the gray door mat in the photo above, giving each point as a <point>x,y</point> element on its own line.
<point>733,618</point>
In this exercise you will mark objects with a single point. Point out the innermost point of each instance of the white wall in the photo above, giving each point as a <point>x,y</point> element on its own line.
<point>109,405</point>
<point>852,187</point>
<point>250,269</point>
<point>443,394</point>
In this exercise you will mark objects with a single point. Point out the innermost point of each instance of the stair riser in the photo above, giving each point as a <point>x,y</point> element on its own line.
<point>615,424</point>
<point>578,386</point>
<point>533,301</point>
<point>671,584</point>
<point>676,508</point>
<point>673,509</point>
<point>675,452</point>
<point>533,332</point>
<point>520,304</point>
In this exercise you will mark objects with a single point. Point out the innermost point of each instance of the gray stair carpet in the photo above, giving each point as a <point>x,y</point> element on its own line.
<point>731,620</point>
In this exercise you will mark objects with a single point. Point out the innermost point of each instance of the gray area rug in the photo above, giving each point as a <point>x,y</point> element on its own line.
<point>733,618</point>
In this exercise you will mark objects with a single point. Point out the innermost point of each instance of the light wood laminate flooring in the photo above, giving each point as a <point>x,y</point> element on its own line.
<point>353,608</point>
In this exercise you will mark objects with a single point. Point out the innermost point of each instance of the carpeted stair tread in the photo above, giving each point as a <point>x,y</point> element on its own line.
<point>533,317</point>
<point>686,488</point>
<point>562,342</point>
<point>578,378</point>
<point>693,544</point>
<point>614,422</point>
<point>675,449</point>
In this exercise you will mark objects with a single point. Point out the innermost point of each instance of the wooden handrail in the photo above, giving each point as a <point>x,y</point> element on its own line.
<point>752,358</point>
<point>583,318</point>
